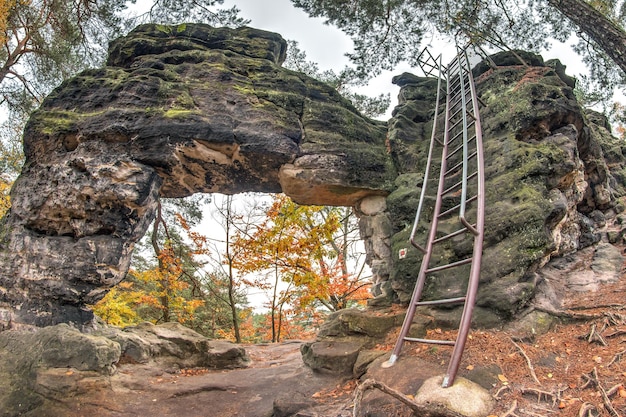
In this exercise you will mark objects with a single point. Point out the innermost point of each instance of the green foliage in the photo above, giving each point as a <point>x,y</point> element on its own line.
<point>386,33</point>
<point>170,12</point>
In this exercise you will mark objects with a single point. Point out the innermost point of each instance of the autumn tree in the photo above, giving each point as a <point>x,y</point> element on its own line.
<point>304,263</point>
<point>164,283</point>
<point>234,218</point>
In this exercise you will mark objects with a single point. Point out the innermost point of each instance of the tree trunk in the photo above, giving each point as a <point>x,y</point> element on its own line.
<point>231,276</point>
<point>274,305</point>
<point>232,302</point>
<point>154,239</point>
<point>609,36</point>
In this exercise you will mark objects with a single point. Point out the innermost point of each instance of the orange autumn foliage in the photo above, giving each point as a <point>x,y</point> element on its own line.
<point>299,253</point>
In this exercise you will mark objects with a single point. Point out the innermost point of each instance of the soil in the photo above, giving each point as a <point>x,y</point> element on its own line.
<point>577,369</point>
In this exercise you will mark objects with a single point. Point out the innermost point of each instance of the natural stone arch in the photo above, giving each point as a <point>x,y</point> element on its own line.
<point>190,108</point>
<point>177,110</point>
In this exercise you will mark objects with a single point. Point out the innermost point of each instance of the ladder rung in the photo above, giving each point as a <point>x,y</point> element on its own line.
<point>445,213</point>
<point>457,111</point>
<point>471,123</point>
<point>452,188</point>
<point>460,147</point>
<point>431,341</point>
<point>448,266</point>
<point>455,89</point>
<point>455,151</point>
<point>459,183</point>
<point>460,164</point>
<point>456,136</point>
<point>441,302</point>
<point>451,235</point>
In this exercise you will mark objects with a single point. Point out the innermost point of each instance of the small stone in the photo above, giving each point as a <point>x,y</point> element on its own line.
<point>373,205</point>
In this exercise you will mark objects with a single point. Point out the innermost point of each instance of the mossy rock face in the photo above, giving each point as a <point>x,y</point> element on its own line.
<point>210,108</point>
<point>177,110</point>
<point>544,166</point>
<point>155,39</point>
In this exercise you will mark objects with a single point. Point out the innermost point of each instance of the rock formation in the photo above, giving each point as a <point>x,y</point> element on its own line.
<point>177,110</point>
<point>184,109</point>
<point>549,186</point>
<point>44,368</point>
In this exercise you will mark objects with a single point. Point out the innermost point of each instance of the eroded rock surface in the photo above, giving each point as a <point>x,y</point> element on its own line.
<point>47,367</point>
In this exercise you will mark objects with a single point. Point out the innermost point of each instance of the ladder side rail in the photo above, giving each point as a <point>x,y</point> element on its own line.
<point>463,73</point>
<point>474,278</point>
<point>428,165</point>
<point>432,234</point>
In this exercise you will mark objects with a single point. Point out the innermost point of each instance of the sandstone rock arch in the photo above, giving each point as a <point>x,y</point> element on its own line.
<point>177,110</point>
<point>190,108</point>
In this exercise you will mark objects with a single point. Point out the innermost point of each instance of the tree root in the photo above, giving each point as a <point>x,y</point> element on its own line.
<point>594,335</point>
<point>592,380</point>
<point>588,410</point>
<point>428,410</point>
<point>498,394</point>
<point>616,332</point>
<point>570,315</point>
<point>544,395</point>
<point>511,411</point>
<point>617,358</point>
<point>528,362</point>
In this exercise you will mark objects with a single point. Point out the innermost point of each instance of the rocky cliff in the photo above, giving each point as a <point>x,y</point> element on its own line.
<point>549,185</point>
<point>190,108</point>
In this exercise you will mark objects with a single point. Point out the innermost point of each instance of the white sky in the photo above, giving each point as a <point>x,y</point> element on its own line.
<point>328,45</point>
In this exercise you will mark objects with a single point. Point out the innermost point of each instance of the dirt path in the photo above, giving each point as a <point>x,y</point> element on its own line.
<point>276,383</point>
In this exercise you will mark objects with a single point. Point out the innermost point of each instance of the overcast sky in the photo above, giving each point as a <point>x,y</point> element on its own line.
<point>327,45</point>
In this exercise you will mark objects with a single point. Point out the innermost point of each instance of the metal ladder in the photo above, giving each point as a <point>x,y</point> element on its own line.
<point>461,184</point>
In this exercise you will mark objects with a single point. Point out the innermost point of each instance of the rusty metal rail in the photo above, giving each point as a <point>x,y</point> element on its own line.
<point>463,183</point>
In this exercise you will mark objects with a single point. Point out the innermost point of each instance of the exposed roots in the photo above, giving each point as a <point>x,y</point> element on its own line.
<point>427,410</point>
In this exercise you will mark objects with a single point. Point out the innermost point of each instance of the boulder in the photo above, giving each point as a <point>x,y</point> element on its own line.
<point>173,345</point>
<point>43,368</point>
<point>464,396</point>
<point>333,356</point>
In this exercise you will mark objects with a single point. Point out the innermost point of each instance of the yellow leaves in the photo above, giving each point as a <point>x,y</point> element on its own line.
<point>116,308</point>
<point>5,8</point>
<point>160,292</point>
<point>5,199</point>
